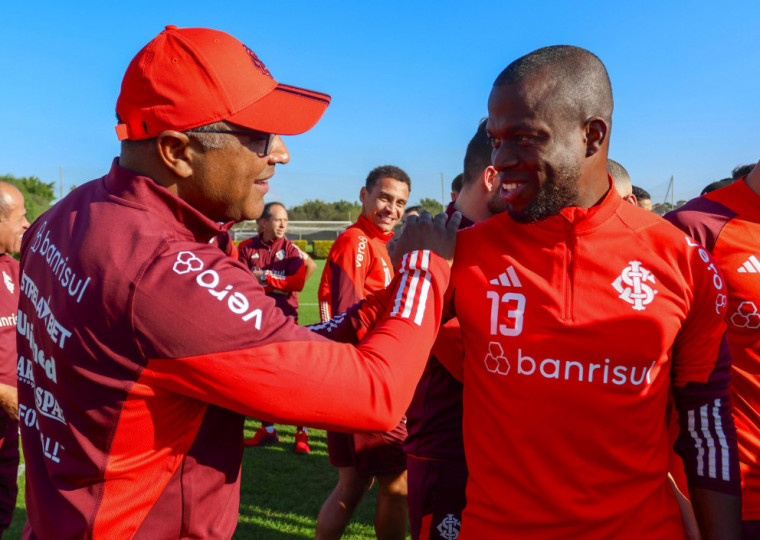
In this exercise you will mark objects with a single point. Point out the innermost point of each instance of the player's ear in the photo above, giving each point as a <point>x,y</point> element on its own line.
<point>596,135</point>
<point>490,179</point>
<point>362,194</point>
<point>175,152</point>
<point>631,199</point>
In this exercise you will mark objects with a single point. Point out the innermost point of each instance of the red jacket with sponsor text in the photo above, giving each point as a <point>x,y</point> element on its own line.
<point>357,265</point>
<point>727,222</point>
<point>576,329</point>
<point>141,346</point>
<point>287,272</point>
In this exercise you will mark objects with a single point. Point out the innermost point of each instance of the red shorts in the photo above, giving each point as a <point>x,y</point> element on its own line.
<point>436,497</point>
<point>373,454</point>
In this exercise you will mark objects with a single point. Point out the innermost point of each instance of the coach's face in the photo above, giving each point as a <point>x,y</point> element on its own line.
<point>229,183</point>
<point>537,150</point>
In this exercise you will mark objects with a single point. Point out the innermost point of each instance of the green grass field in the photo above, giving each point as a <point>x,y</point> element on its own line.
<point>281,492</point>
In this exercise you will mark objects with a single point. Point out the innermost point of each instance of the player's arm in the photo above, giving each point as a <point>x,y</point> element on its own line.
<point>701,374</point>
<point>295,274</point>
<point>261,364</point>
<point>309,264</point>
<point>351,325</point>
<point>348,272</point>
<point>449,348</point>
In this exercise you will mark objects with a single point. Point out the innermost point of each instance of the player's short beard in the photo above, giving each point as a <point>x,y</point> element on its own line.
<point>559,191</point>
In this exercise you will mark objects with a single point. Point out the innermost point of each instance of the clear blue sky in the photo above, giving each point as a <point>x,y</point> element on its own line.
<point>409,82</point>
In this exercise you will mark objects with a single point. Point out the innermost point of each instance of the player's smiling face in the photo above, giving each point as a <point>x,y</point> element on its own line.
<point>536,149</point>
<point>383,204</point>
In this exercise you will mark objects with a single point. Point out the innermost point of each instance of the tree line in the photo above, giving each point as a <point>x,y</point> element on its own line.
<point>37,194</point>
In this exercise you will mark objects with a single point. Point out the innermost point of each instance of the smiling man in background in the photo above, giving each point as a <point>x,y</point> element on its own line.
<point>359,264</point>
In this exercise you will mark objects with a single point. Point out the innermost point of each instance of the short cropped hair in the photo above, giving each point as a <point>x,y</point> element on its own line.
<point>716,185</point>
<point>456,183</point>
<point>620,177</point>
<point>387,171</point>
<point>478,155</point>
<point>584,84</point>
<point>742,170</point>
<point>641,194</point>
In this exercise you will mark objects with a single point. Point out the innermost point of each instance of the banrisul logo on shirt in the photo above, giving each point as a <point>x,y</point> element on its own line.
<point>634,287</point>
<point>746,316</point>
<point>525,364</point>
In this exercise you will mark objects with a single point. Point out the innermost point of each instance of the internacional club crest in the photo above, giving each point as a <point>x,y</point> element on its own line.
<point>449,527</point>
<point>633,285</point>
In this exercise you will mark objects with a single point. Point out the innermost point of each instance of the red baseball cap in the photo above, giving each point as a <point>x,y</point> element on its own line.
<point>190,77</point>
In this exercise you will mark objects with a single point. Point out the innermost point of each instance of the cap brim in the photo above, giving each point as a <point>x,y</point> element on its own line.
<point>286,110</point>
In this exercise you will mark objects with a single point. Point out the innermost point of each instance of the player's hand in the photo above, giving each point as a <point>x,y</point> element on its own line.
<point>426,232</point>
<point>9,400</point>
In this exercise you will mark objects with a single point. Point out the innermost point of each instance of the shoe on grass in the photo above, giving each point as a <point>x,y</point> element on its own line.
<point>262,437</point>
<point>302,443</point>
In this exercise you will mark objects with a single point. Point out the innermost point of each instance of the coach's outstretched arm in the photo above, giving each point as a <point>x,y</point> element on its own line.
<point>264,365</point>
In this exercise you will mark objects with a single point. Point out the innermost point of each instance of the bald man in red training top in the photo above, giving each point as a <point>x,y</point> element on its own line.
<point>13,224</point>
<point>580,315</point>
<point>142,347</point>
<point>727,223</point>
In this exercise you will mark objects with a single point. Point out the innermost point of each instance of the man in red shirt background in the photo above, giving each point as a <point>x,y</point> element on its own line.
<point>282,269</point>
<point>13,224</point>
<point>726,222</point>
<point>358,264</point>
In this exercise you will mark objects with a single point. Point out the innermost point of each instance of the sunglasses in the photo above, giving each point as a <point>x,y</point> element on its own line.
<point>261,141</point>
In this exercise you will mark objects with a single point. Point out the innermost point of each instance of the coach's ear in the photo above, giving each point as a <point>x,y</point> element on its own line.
<point>596,135</point>
<point>176,152</point>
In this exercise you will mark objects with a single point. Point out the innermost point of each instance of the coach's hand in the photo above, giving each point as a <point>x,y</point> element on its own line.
<point>426,232</point>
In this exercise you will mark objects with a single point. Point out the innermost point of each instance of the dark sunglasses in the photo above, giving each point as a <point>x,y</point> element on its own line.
<point>262,140</point>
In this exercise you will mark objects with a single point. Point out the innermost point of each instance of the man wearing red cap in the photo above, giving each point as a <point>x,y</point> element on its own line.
<point>141,346</point>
